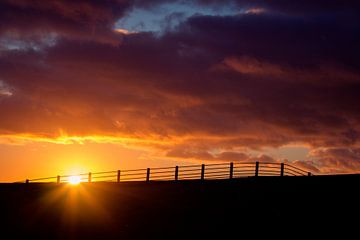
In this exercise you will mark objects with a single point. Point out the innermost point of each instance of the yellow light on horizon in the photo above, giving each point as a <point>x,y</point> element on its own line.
<point>74,180</point>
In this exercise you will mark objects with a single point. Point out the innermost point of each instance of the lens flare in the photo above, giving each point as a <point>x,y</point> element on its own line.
<point>74,180</point>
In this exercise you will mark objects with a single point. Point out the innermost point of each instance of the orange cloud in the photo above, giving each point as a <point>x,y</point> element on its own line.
<point>247,65</point>
<point>256,10</point>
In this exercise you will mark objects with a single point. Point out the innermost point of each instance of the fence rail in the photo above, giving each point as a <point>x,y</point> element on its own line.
<point>188,172</point>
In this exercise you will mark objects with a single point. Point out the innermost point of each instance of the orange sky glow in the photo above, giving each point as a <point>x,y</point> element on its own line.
<point>32,157</point>
<point>107,85</point>
<point>35,159</point>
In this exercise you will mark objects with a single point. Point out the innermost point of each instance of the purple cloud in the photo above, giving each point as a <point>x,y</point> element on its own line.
<point>251,80</point>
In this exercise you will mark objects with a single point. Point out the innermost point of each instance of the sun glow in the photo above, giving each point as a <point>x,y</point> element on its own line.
<point>74,180</point>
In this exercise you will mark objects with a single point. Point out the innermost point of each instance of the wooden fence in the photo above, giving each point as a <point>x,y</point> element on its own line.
<point>188,172</point>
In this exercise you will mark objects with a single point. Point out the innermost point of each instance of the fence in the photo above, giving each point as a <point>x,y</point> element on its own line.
<point>188,172</point>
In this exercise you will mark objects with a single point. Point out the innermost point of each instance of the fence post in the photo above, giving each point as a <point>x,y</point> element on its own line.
<point>58,179</point>
<point>118,176</point>
<point>27,181</point>
<point>176,173</point>
<point>89,177</point>
<point>256,169</point>
<point>202,171</point>
<point>231,170</point>
<point>309,174</point>
<point>148,175</point>
<point>282,170</point>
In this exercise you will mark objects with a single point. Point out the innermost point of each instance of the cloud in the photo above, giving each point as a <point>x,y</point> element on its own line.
<point>214,83</point>
<point>255,11</point>
<point>34,21</point>
<point>338,160</point>
<point>304,7</point>
<point>198,153</point>
<point>123,31</point>
<point>325,74</point>
<point>308,165</point>
<point>5,90</point>
<point>250,66</point>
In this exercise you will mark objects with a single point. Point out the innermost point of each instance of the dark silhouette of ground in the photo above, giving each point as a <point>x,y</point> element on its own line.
<point>225,209</point>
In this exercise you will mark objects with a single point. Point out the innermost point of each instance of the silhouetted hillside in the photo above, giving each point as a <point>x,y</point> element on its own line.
<point>228,209</point>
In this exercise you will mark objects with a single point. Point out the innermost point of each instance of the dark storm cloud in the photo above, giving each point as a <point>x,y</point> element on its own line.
<point>251,80</point>
<point>302,7</point>
<point>76,19</point>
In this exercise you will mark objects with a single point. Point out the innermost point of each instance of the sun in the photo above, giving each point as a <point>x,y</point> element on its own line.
<point>74,180</point>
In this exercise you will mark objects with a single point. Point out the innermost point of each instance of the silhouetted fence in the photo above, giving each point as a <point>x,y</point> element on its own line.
<point>188,172</point>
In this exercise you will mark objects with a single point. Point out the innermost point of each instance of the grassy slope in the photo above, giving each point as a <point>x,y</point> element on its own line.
<point>167,210</point>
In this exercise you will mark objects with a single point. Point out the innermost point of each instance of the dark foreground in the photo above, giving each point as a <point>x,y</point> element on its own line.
<point>226,209</point>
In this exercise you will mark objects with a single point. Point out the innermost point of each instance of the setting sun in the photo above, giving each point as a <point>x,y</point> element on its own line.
<point>74,180</point>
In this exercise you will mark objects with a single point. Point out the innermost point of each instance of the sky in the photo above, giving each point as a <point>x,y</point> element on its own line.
<point>90,85</point>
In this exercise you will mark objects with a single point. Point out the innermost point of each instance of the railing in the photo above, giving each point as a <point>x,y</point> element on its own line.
<point>188,172</point>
